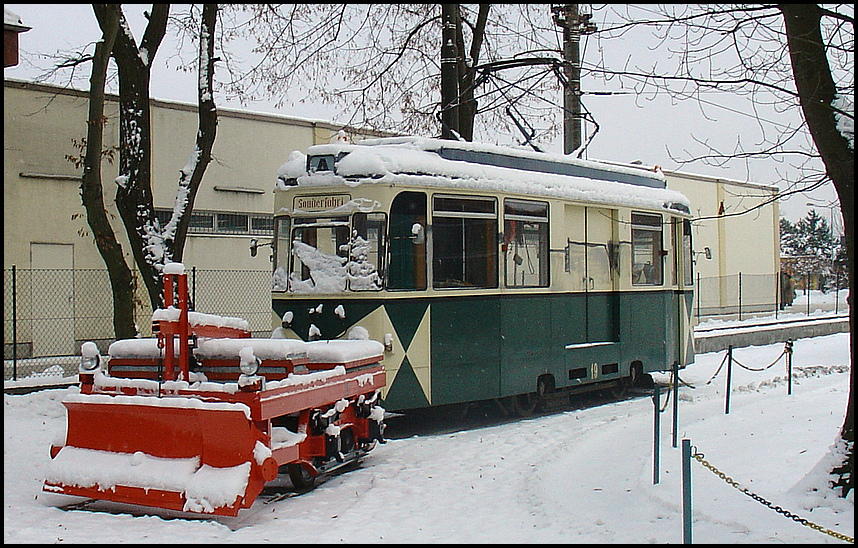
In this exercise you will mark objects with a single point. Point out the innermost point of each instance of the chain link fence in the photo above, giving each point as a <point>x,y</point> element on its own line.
<point>48,314</point>
<point>740,296</point>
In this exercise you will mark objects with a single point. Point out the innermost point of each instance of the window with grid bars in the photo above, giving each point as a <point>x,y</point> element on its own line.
<point>210,222</point>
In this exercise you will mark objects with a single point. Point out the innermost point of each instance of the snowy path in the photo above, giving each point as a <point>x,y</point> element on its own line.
<point>578,476</point>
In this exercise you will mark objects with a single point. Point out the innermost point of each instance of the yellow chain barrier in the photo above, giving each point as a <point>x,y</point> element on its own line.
<point>786,513</point>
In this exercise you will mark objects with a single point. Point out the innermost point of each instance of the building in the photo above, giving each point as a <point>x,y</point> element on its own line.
<point>12,27</point>
<point>59,273</point>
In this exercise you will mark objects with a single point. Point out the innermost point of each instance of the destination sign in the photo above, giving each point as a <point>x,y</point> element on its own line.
<point>320,203</point>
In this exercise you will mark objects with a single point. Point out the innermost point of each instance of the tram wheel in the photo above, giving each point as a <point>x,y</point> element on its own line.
<point>525,404</point>
<point>347,442</point>
<point>621,389</point>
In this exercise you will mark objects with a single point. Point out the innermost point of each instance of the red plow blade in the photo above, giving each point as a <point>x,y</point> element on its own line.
<point>176,453</point>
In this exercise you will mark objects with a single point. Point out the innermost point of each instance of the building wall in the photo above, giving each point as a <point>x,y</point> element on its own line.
<point>41,186</point>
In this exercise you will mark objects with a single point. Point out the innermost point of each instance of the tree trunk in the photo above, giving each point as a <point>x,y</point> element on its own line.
<point>121,280</point>
<point>134,184</point>
<point>154,245</point>
<point>192,176</point>
<point>817,91</point>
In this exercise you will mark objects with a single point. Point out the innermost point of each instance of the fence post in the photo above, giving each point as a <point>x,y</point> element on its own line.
<point>740,296</point>
<point>729,377</point>
<point>675,402</point>
<point>686,491</point>
<point>836,288</point>
<point>778,292</point>
<point>789,366</point>
<point>14,324</point>
<point>656,435</point>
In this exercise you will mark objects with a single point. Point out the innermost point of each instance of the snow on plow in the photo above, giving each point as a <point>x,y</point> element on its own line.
<point>201,417</point>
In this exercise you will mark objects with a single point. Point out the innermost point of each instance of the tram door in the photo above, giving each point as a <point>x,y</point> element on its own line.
<point>591,261</point>
<point>601,275</point>
<point>407,268</point>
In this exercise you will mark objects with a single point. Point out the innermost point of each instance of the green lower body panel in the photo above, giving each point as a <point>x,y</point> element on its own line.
<point>455,349</point>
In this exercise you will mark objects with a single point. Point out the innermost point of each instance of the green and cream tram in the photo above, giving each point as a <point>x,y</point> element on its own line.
<point>487,272</point>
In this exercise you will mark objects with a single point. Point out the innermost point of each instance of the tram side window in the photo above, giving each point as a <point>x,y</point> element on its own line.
<point>647,249</point>
<point>464,236</point>
<point>525,243</point>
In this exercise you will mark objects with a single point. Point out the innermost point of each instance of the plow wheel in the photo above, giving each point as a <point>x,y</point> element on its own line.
<point>347,441</point>
<point>300,476</point>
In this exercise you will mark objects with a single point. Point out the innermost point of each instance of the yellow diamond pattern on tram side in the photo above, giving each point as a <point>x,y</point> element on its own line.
<point>420,356</point>
<point>378,324</point>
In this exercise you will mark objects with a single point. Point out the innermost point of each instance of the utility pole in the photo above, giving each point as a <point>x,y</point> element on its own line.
<point>574,24</point>
<point>449,73</point>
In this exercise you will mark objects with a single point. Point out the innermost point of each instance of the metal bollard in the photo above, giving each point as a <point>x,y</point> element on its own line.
<point>729,377</point>
<point>675,402</point>
<point>656,435</point>
<point>788,351</point>
<point>686,491</point>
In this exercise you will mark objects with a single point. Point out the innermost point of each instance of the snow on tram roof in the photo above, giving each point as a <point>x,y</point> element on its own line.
<point>424,162</point>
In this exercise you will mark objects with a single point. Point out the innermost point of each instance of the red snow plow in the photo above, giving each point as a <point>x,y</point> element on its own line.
<point>200,417</point>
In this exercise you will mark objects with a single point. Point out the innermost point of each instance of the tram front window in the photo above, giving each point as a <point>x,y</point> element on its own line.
<point>366,252</point>
<point>282,229</point>
<point>330,256</point>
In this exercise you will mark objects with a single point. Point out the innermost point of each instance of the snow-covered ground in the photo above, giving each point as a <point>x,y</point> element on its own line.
<point>582,475</point>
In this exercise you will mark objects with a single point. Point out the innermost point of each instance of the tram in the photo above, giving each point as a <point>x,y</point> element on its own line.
<point>487,272</point>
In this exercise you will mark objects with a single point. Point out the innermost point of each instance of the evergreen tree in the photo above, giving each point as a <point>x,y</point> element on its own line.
<point>811,246</point>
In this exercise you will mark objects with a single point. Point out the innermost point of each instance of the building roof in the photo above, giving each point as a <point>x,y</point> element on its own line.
<point>13,22</point>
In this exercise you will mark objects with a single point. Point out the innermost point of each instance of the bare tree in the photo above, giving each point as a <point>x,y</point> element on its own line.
<point>121,281</point>
<point>380,64</point>
<point>822,106</point>
<point>151,244</point>
<point>134,187</point>
<point>191,176</point>
<point>796,56</point>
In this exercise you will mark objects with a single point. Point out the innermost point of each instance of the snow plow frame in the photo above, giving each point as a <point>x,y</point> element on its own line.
<point>165,436</point>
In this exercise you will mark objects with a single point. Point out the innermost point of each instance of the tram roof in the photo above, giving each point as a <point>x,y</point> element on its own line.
<point>437,163</point>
